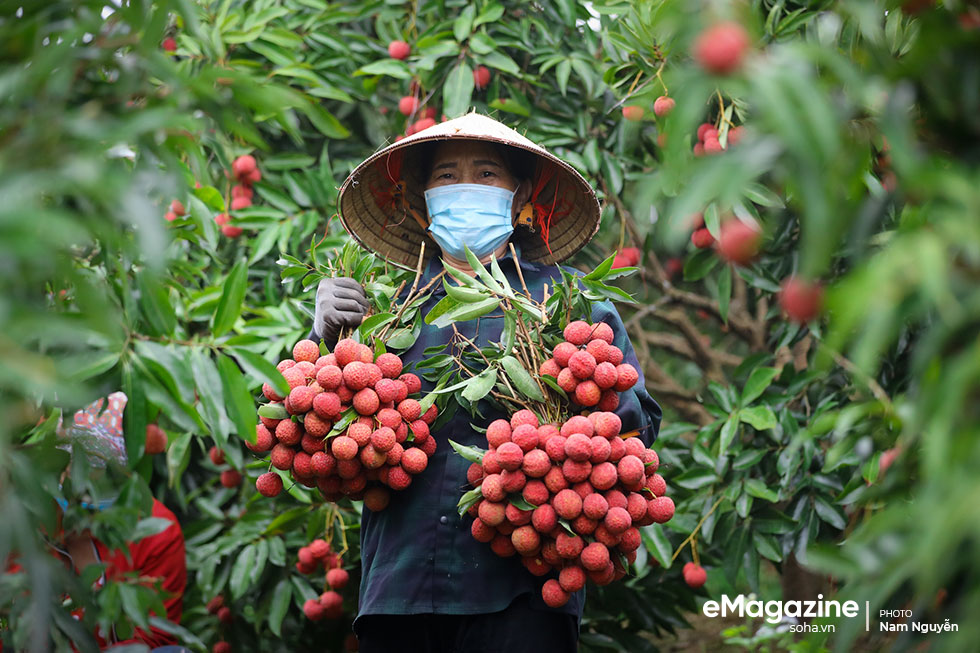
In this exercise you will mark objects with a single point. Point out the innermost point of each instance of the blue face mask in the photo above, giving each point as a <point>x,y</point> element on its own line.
<point>476,215</point>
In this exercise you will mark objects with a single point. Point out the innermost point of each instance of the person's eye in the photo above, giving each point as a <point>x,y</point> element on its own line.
<point>488,173</point>
<point>445,175</point>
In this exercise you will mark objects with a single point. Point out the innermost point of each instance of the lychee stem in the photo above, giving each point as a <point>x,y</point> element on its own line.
<point>694,533</point>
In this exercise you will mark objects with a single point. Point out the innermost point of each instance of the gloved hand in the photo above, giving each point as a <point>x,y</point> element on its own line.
<point>340,302</point>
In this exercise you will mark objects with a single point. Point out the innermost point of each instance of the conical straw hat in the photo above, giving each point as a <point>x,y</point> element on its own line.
<point>383,207</point>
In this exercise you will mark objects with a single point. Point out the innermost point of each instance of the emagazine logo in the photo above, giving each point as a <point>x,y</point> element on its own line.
<point>775,611</point>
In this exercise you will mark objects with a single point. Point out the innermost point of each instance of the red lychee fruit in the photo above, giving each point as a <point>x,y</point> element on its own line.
<point>337,579</point>
<point>412,382</point>
<point>242,190</point>
<point>269,484</point>
<point>628,376</point>
<point>282,456</point>
<point>156,440</point>
<point>544,518</point>
<point>576,471</point>
<point>414,461</point>
<point>513,481</point>
<point>607,424</point>
<point>333,604</point>
<point>239,203</point>
<point>536,492</point>
<point>738,242</point>
<point>376,499</point>
<point>617,520</point>
<point>300,399</point>
<point>410,410</point>
<point>553,594</point>
<point>569,546</point>
<point>408,105</point>
<point>702,238</point>
<point>343,447</point>
<point>555,480</point>
<point>694,575</point>
<point>475,475</point>
<point>587,393</point>
<point>577,424</point>
<point>231,478</point>
<point>595,506</point>
<point>366,402</point>
<point>578,332</point>
<point>536,565</point>
<point>526,540</point>
<point>536,463</point>
<point>481,77</point>
<point>399,50</point>
<point>660,509</point>
<point>603,476</point>
<point>578,447</point>
<point>886,459</point>
<point>225,615</point>
<point>510,456</point>
<point>498,432</point>
<point>169,44</point>
<point>712,146</point>
<point>216,455</point>
<point>264,440</point>
<point>481,531</point>
<point>801,300</point>
<point>313,610</point>
<point>563,351</point>
<point>567,381</point>
<point>390,365</point>
<point>608,400</point>
<point>492,488</point>
<point>492,513</point>
<point>630,469</point>
<point>595,556</point>
<point>242,167</point>
<point>289,432</point>
<point>360,433</point>
<point>550,367</point>
<point>572,578</point>
<point>215,604</point>
<point>502,546</point>
<point>567,503</point>
<point>633,112</point>
<point>582,364</point>
<point>663,105</point>
<point>329,377</point>
<point>525,436</point>
<point>616,499</point>
<point>720,48</point>
<point>523,416</point>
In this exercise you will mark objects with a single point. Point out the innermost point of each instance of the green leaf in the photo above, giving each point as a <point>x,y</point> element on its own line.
<point>728,431</point>
<point>759,380</point>
<point>281,596</point>
<point>767,546</point>
<point>230,303</point>
<point>600,271</point>
<point>155,303</point>
<point>273,411</point>
<point>464,24</point>
<point>508,336</point>
<point>461,294</point>
<point>510,105</point>
<point>468,499</point>
<point>695,478</point>
<point>261,369</point>
<point>465,312</point>
<point>238,401</point>
<point>657,544</point>
<point>759,490</point>
<point>724,292</point>
<point>829,513</point>
<point>699,264</point>
<point>241,571</point>
<point>760,417</point>
<point>472,454</point>
<point>501,62</point>
<point>458,91</point>
<point>480,385</point>
<point>520,502</point>
<point>490,14</point>
<point>521,379</point>
<point>390,67</point>
<point>443,306</point>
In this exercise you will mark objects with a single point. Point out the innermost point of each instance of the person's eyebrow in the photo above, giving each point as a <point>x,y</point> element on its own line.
<point>486,162</point>
<point>441,166</point>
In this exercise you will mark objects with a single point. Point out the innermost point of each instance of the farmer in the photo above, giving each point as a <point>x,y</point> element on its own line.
<point>427,584</point>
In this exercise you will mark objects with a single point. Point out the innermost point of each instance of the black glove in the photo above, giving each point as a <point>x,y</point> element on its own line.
<point>340,303</point>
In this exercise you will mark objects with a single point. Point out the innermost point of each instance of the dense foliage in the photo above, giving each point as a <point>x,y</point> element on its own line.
<point>858,159</point>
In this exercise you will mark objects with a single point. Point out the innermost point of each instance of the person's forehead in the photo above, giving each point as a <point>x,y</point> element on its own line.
<point>463,149</point>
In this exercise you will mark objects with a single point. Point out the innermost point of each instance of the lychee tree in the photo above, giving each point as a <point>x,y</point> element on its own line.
<point>844,132</point>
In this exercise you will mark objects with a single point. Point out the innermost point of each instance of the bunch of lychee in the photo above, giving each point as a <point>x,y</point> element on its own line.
<point>709,142</point>
<point>217,607</point>
<point>588,367</point>
<point>229,477</point>
<point>246,171</point>
<point>568,498</point>
<point>385,442</point>
<point>330,604</point>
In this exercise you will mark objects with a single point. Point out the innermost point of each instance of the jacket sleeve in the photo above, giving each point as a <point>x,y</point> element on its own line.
<point>637,409</point>
<point>162,557</point>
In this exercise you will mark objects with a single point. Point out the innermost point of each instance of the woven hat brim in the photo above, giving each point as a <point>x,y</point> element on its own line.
<point>387,227</point>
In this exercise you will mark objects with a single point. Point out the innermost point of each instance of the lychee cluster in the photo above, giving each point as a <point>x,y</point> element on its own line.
<point>585,492</point>
<point>588,367</point>
<point>626,257</point>
<point>229,477</point>
<point>708,139</point>
<point>245,170</point>
<point>385,442</point>
<point>217,607</point>
<point>330,604</point>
